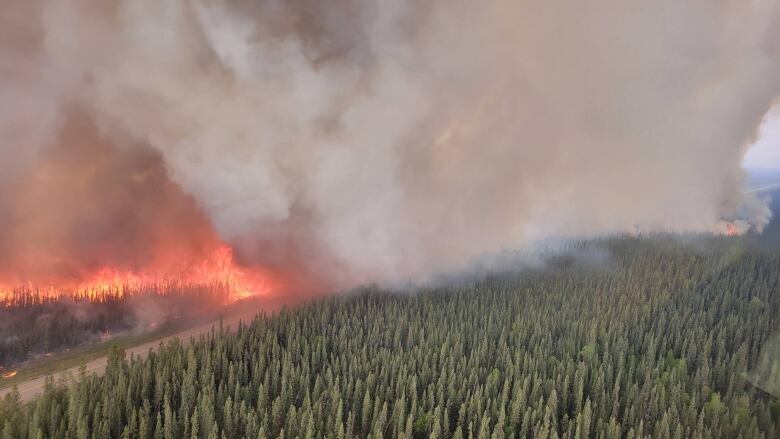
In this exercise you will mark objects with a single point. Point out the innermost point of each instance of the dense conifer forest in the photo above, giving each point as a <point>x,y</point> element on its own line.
<point>34,322</point>
<point>655,338</point>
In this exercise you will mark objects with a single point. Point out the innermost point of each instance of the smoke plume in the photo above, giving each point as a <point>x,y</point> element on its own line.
<point>350,141</point>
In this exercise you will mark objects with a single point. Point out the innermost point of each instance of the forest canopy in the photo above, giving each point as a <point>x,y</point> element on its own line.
<point>662,339</point>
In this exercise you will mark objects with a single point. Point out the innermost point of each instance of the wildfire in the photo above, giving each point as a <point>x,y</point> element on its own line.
<point>10,374</point>
<point>217,268</point>
<point>731,228</point>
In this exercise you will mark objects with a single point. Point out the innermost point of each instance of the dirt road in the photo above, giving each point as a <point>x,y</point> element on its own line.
<point>33,387</point>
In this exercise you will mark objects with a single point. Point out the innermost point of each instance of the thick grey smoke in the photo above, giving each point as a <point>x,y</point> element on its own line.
<point>369,140</point>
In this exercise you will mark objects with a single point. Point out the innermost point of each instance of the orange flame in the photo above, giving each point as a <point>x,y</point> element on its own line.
<point>10,374</point>
<point>217,268</point>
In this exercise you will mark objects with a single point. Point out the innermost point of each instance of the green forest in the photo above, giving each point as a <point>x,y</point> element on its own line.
<point>649,337</point>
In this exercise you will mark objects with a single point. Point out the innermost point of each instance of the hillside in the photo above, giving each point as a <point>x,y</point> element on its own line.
<point>656,341</point>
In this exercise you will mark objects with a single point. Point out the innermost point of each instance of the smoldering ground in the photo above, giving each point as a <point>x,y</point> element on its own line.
<point>350,142</point>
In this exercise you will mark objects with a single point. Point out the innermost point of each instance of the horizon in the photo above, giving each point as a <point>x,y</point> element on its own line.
<point>765,152</point>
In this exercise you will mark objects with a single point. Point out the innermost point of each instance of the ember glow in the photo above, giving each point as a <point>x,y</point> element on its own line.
<point>91,218</point>
<point>218,268</point>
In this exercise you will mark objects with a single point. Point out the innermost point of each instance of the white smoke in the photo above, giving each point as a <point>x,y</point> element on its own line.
<point>395,138</point>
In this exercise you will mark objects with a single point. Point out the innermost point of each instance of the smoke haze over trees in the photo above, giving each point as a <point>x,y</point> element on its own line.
<point>35,323</point>
<point>187,153</point>
<point>664,341</point>
<point>355,141</point>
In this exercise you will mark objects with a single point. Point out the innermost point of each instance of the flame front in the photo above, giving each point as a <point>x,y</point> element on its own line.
<point>218,267</point>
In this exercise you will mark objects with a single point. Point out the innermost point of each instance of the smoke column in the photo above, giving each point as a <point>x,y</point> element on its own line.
<point>351,141</point>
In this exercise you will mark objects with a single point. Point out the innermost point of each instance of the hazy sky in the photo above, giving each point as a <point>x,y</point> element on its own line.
<point>766,152</point>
